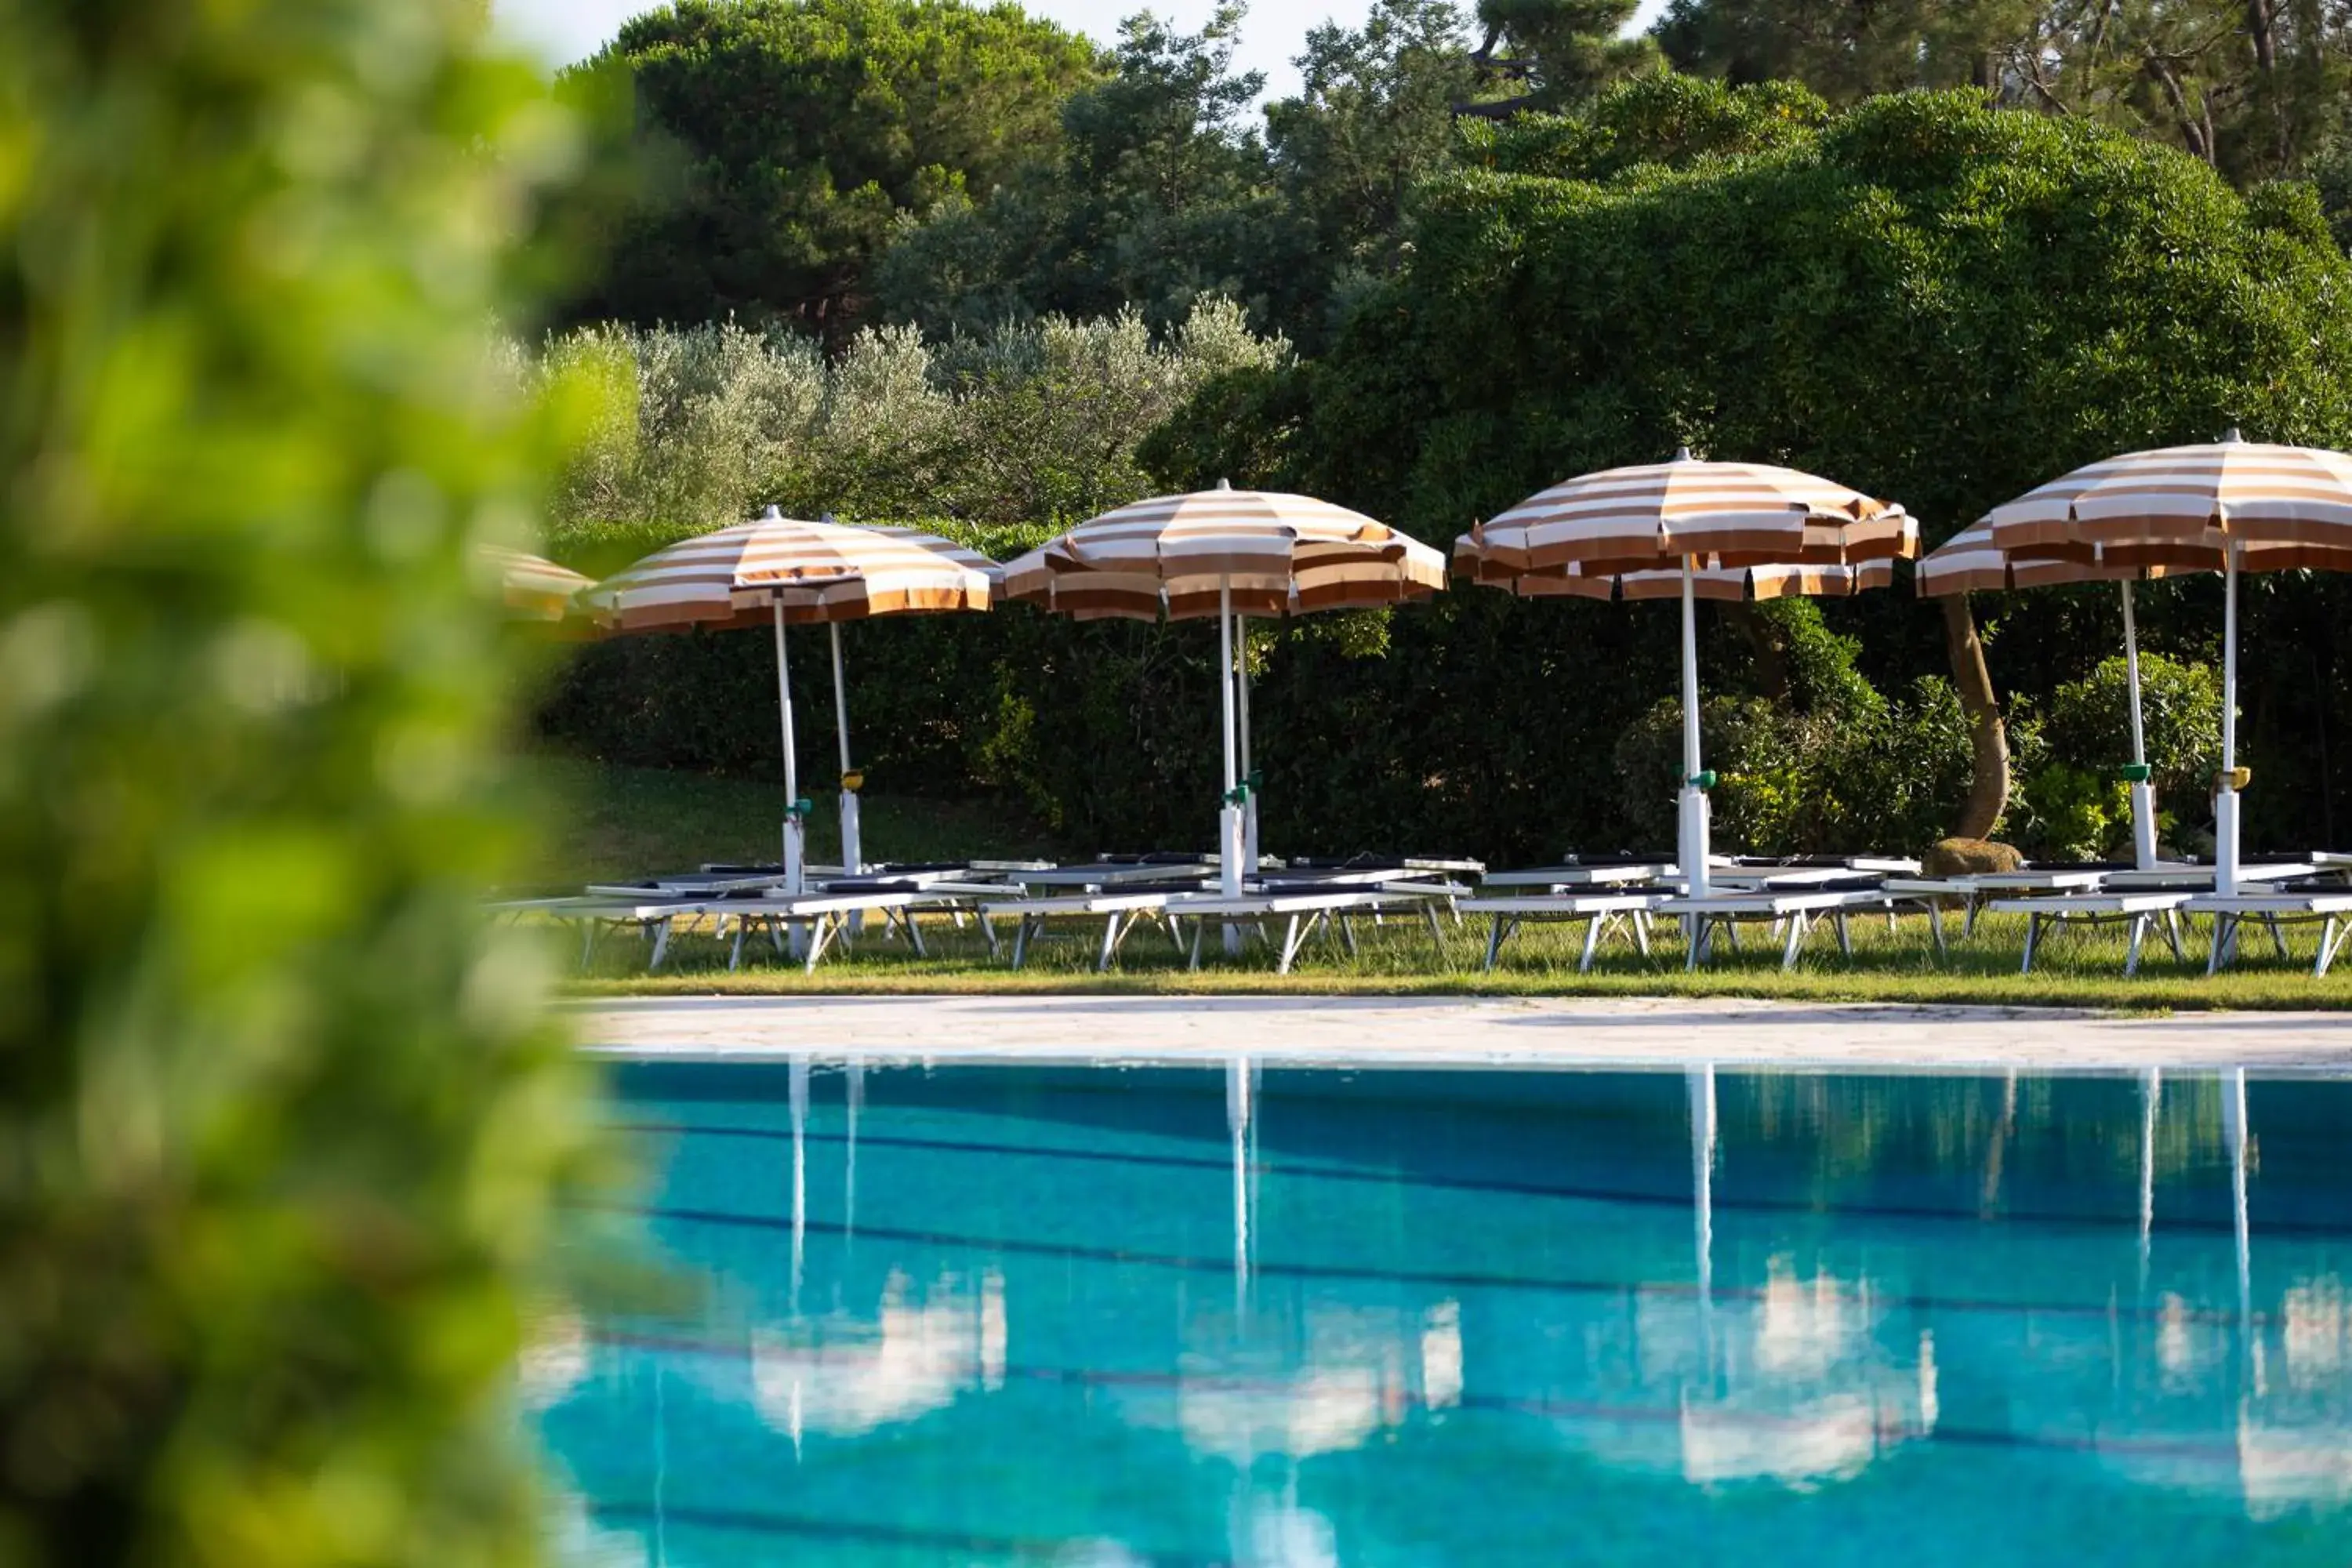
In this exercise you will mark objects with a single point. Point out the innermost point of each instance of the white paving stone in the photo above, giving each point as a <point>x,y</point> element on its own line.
<point>1450,1031</point>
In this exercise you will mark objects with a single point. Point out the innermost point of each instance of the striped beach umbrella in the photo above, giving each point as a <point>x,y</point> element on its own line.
<point>1970,561</point>
<point>533,587</point>
<point>1693,530</point>
<point>1233,554</point>
<point>778,572</point>
<point>2232,506</point>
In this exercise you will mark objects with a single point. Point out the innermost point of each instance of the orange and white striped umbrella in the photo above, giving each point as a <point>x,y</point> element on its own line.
<point>1711,581</point>
<point>1690,529</point>
<point>2230,505</point>
<point>816,572</point>
<point>1970,561</point>
<point>1231,554</point>
<point>1262,552</point>
<point>533,586</point>
<point>778,572</point>
<point>1653,515</point>
<point>2284,506</point>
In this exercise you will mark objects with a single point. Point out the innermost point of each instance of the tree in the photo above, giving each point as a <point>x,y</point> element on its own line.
<point>1374,119</point>
<point>280,1119</point>
<point>1556,53</point>
<point>785,138</point>
<point>2253,87</point>
<point>1929,299</point>
<point>1160,193</point>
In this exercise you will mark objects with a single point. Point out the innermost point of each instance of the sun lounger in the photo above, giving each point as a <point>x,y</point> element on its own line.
<point>1121,909</point>
<point>1391,865</point>
<point>688,885</point>
<point>1602,911</point>
<point>2140,910</point>
<point>1086,876</point>
<point>1585,874</point>
<point>1973,889</point>
<point>597,915</point>
<point>1792,911</point>
<point>1930,892</point>
<point>1849,865</point>
<point>2196,877</point>
<point>1779,874</point>
<point>1308,909</point>
<point>826,914</point>
<point>2329,904</point>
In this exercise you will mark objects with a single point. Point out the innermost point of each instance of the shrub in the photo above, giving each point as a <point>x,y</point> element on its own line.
<point>1032,427</point>
<point>2180,715</point>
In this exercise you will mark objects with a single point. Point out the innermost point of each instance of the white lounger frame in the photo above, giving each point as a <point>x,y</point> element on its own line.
<point>1121,913</point>
<point>1308,912</point>
<point>1601,913</point>
<point>1791,915</point>
<point>2139,911</point>
<point>2332,910</point>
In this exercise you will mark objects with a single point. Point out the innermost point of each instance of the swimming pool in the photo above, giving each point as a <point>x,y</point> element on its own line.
<point>1305,1317</point>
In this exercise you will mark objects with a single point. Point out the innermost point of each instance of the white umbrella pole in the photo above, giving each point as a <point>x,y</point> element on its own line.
<point>1691,847</point>
<point>2225,799</point>
<point>1229,817</point>
<point>1241,701</point>
<point>2143,791</point>
<point>794,845</point>
<point>853,858</point>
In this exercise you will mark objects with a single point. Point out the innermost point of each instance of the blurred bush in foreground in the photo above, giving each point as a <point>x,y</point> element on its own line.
<point>279,1123</point>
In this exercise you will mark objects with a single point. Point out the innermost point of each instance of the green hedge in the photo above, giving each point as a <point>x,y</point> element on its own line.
<point>1473,724</point>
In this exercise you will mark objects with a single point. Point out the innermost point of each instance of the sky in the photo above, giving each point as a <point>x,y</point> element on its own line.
<point>566,30</point>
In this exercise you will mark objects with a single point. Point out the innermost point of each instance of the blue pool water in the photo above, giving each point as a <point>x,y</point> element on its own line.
<point>1111,1316</point>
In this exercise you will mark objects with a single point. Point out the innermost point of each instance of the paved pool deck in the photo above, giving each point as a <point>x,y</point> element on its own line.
<point>1455,1032</point>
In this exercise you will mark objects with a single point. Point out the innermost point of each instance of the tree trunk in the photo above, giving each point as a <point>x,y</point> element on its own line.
<point>1988,735</point>
<point>2262,28</point>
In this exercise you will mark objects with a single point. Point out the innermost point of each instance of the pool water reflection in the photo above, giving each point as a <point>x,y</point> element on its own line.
<point>1300,1317</point>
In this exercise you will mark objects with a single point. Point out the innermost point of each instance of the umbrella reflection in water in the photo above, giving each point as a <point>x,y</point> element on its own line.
<point>2258,1405</point>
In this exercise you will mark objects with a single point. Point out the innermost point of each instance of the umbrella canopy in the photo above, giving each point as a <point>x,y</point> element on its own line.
<point>2230,505</point>
<point>777,572</point>
<point>1971,562</point>
<point>1733,585</point>
<point>533,587</point>
<point>2283,507</point>
<point>1694,529</point>
<point>1248,553</point>
<point>811,573</point>
<point>1657,514</point>
<point>1229,554</point>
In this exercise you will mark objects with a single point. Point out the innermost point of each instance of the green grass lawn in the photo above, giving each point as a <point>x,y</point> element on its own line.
<point>609,823</point>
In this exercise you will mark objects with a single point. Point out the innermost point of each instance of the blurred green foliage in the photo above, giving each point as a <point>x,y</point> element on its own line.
<point>279,1122</point>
